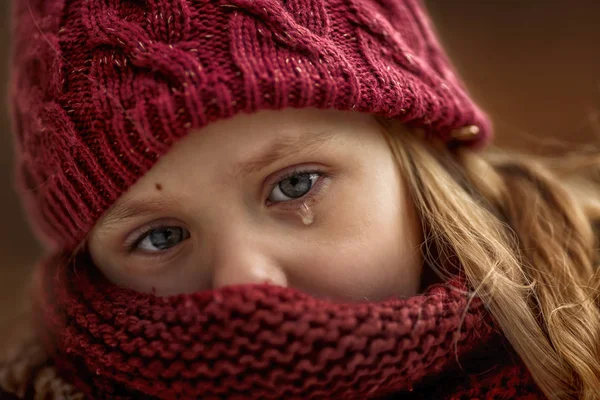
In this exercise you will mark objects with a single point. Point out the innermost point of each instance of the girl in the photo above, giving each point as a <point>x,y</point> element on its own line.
<point>287,199</point>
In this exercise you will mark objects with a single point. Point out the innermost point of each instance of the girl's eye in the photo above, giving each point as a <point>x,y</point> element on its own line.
<point>293,186</point>
<point>162,238</point>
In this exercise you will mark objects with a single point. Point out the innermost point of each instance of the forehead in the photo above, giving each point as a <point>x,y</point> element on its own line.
<point>259,127</point>
<point>240,147</point>
<point>270,133</point>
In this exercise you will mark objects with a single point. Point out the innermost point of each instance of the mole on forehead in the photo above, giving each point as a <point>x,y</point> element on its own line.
<point>158,187</point>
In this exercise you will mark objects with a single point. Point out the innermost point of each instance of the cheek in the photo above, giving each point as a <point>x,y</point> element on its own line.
<point>369,249</point>
<point>371,269</point>
<point>182,277</point>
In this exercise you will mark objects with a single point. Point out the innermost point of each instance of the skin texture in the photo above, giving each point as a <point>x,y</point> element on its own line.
<point>352,233</point>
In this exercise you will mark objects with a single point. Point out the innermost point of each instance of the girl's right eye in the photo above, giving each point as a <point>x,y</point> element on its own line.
<point>161,238</point>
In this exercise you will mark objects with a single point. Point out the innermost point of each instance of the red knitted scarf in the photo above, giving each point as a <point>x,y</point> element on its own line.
<point>266,342</point>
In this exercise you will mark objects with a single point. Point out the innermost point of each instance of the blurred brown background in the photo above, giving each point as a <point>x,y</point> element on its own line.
<point>533,64</point>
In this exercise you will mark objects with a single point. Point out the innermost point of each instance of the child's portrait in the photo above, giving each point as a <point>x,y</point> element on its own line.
<point>300,199</point>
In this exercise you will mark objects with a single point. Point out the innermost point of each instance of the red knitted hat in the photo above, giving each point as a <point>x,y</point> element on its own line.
<point>102,89</point>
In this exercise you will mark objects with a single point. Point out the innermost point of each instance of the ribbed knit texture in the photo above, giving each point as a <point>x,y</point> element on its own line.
<point>267,342</point>
<point>101,89</point>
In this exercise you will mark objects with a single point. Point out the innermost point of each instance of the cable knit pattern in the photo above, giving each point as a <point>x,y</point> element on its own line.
<point>101,89</point>
<point>267,342</point>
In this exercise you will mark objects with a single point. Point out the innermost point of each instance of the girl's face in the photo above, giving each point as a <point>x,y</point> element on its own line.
<point>305,198</point>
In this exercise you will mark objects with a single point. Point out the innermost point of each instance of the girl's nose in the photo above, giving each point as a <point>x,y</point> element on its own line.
<point>238,269</point>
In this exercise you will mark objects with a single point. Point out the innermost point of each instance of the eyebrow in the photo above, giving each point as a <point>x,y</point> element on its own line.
<point>280,148</point>
<point>129,208</point>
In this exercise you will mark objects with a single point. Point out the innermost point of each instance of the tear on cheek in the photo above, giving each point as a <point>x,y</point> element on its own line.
<point>306,214</point>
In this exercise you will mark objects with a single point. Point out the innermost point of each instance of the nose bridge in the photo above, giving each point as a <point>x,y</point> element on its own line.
<point>241,257</point>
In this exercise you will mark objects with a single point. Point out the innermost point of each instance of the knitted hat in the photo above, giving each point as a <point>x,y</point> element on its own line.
<point>102,89</point>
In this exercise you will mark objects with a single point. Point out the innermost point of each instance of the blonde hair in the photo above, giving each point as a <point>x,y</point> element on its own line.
<point>521,228</point>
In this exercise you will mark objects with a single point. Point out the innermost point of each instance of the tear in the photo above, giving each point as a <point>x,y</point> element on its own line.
<point>306,214</point>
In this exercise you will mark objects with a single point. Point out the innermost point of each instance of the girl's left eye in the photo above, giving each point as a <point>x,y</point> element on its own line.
<point>294,186</point>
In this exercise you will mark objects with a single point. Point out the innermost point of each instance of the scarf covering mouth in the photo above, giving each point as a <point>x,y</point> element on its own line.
<point>253,341</point>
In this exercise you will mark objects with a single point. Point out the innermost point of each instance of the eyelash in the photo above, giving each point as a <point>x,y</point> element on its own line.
<point>132,245</point>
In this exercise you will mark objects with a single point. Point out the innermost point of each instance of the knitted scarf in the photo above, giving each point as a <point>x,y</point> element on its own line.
<point>267,342</point>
